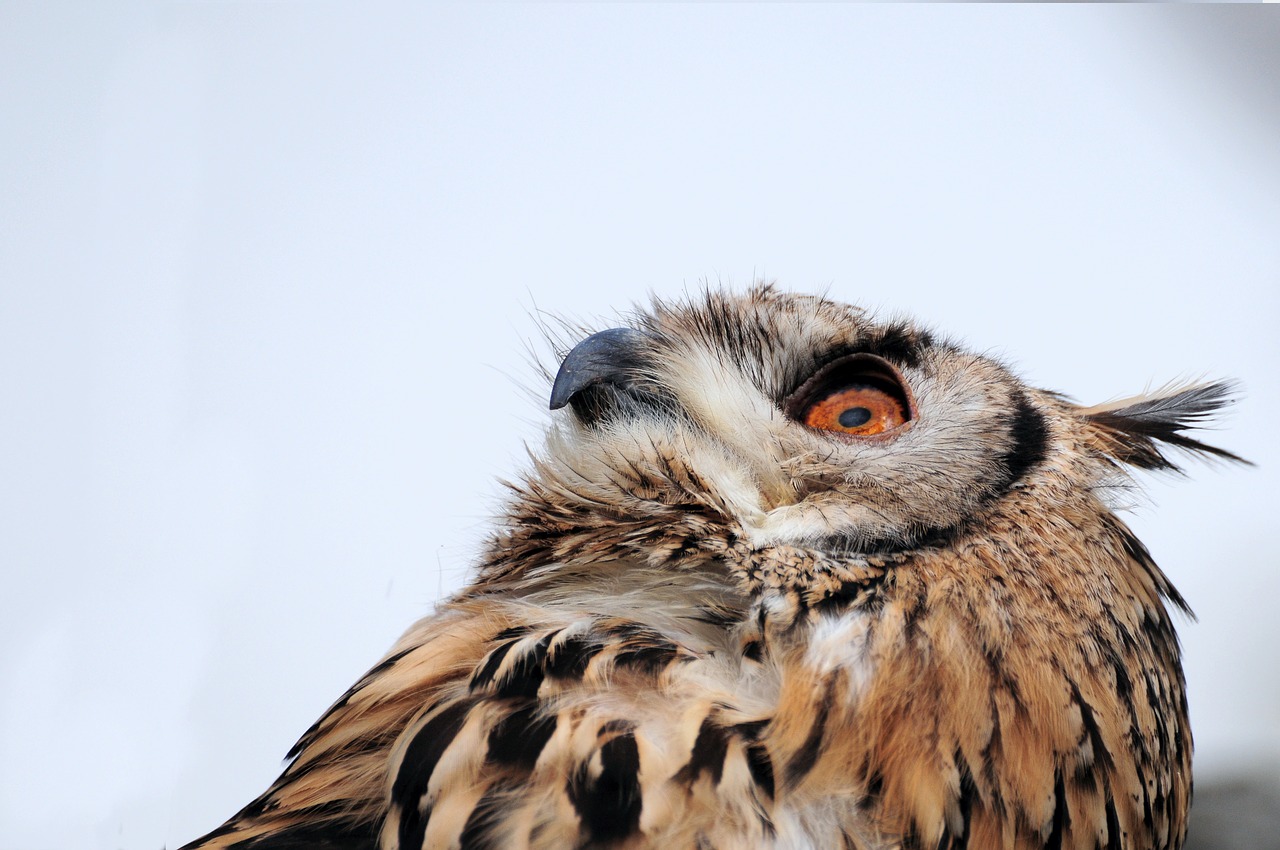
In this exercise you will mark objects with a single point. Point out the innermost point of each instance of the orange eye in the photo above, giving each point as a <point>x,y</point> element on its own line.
<point>858,409</point>
<point>860,395</point>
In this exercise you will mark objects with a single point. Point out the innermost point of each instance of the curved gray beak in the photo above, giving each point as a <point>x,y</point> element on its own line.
<point>608,357</point>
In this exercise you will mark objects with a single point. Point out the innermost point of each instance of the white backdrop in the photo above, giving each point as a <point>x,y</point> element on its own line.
<point>267,274</point>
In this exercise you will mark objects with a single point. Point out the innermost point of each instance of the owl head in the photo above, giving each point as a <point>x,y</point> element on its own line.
<point>795,420</point>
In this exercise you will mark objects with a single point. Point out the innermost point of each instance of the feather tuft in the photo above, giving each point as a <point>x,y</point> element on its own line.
<point>1131,430</point>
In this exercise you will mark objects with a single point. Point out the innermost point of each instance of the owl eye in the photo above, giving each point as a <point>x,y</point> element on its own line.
<point>860,395</point>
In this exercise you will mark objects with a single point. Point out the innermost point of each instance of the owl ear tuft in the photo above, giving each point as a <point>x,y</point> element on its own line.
<point>1132,430</point>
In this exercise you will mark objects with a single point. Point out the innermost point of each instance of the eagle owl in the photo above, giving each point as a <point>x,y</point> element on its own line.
<point>782,576</point>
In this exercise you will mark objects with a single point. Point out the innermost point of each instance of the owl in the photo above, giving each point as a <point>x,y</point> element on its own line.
<point>782,576</point>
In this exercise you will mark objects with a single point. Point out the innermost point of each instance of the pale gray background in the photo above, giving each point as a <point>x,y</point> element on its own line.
<point>267,273</point>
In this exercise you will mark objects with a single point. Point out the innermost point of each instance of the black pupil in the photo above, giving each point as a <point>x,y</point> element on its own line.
<point>855,416</point>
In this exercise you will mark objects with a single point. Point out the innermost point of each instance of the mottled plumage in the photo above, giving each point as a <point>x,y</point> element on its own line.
<point>782,576</point>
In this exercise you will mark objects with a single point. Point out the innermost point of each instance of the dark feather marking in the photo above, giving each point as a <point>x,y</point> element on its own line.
<point>647,659</point>
<point>910,623</point>
<point>518,738</point>
<point>707,755</point>
<point>1061,815</point>
<point>230,826</point>
<point>859,592</point>
<point>609,805</point>
<point>898,343</point>
<point>1124,687</point>
<point>875,787</point>
<point>343,835</point>
<point>489,669</point>
<point>1029,433</point>
<point>1162,728</point>
<point>749,731</point>
<point>613,727</point>
<point>761,767</point>
<point>1148,815</point>
<point>1179,737</point>
<point>629,630</point>
<point>569,658</point>
<point>477,833</point>
<point>968,795</point>
<point>525,673</point>
<point>993,749</point>
<point>1135,549</point>
<point>1085,777</point>
<point>512,632</point>
<point>414,835</point>
<point>642,648</point>
<point>753,650</point>
<point>419,762</point>
<point>1101,754</point>
<point>328,825</point>
<point>324,827</point>
<point>716,616</point>
<point>1002,674</point>
<point>1113,826</point>
<point>895,545</point>
<point>803,760</point>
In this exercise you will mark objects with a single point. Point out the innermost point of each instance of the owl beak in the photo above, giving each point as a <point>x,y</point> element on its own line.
<point>608,357</point>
